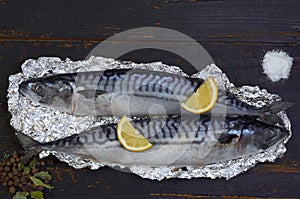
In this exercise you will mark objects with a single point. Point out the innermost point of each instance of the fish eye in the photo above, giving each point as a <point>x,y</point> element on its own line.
<point>37,88</point>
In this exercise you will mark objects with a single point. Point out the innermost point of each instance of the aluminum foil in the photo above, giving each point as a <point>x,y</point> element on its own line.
<point>44,124</point>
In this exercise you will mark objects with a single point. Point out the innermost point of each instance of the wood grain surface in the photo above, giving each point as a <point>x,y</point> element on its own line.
<point>237,34</point>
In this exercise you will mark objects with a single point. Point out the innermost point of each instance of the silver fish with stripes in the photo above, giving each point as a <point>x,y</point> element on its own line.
<point>112,92</point>
<point>175,141</point>
<point>131,92</point>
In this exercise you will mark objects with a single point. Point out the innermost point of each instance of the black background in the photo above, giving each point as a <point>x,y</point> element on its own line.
<point>237,34</point>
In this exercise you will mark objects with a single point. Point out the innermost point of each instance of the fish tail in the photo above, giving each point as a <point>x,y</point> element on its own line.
<point>30,146</point>
<point>270,116</point>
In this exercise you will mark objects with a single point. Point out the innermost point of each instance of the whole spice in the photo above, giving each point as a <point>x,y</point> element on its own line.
<point>12,190</point>
<point>23,177</point>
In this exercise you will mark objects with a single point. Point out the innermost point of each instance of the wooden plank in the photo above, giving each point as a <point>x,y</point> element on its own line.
<point>180,195</point>
<point>246,21</point>
<point>111,183</point>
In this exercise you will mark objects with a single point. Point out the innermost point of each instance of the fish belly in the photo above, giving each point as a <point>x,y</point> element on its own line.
<point>176,151</point>
<point>112,104</point>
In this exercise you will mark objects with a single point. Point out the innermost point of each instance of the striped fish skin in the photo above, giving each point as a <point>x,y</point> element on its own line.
<point>120,92</point>
<point>175,142</point>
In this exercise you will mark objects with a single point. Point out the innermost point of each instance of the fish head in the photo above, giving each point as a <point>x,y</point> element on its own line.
<point>268,135</point>
<point>51,91</point>
<point>259,137</point>
<point>247,139</point>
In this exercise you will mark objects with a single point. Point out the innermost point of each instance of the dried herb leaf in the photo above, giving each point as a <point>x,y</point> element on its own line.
<point>36,195</point>
<point>20,166</point>
<point>38,182</point>
<point>26,170</point>
<point>43,175</point>
<point>33,162</point>
<point>6,155</point>
<point>20,195</point>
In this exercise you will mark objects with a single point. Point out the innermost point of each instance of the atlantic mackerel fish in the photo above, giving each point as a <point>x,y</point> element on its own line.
<point>177,142</point>
<point>131,92</point>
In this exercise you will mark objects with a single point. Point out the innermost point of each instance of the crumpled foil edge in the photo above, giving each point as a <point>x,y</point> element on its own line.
<point>44,125</point>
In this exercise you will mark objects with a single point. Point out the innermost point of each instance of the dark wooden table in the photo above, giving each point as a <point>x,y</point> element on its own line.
<point>236,34</point>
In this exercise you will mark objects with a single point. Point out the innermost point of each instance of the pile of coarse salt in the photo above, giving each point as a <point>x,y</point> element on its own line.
<point>277,65</point>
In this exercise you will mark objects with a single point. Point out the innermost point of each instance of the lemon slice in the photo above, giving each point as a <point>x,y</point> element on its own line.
<point>130,138</point>
<point>203,99</point>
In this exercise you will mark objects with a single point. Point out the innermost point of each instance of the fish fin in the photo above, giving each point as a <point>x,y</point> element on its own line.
<point>73,104</point>
<point>278,106</point>
<point>30,146</point>
<point>270,116</point>
<point>89,94</point>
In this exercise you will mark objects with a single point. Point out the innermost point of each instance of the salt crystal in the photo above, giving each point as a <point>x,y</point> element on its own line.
<point>277,65</point>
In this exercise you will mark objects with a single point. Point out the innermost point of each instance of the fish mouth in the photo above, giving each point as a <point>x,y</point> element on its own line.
<point>283,134</point>
<point>25,90</point>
